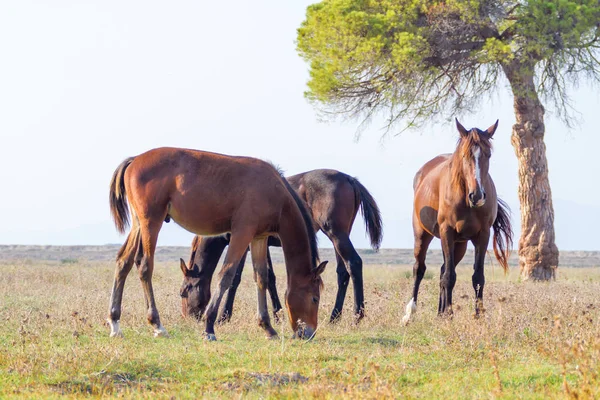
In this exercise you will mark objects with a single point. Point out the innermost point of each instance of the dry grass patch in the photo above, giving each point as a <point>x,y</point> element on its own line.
<point>534,341</point>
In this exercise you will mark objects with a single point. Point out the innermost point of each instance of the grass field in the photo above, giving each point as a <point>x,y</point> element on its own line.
<point>535,340</point>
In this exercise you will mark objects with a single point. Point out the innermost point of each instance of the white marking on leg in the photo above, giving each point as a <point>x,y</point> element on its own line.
<point>115,330</point>
<point>411,308</point>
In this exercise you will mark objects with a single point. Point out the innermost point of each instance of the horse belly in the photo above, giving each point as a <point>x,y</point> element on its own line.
<point>204,220</point>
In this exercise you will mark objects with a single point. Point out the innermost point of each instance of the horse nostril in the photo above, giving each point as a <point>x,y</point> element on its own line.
<point>483,195</point>
<point>472,197</point>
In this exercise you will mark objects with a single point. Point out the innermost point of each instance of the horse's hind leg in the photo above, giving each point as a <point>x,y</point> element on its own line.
<point>227,310</point>
<point>125,259</point>
<point>422,241</point>
<point>238,246</point>
<point>272,287</point>
<point>343,247</point>
<point>259,250</point>
<point>343,278</point>
<point>149,236</point>
<point>480,243</point>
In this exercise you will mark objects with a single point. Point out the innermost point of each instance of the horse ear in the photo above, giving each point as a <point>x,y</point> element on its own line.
<point>320,268</point>
<point>492,129</point>
<point>183,267</point>
<point>461,129</point>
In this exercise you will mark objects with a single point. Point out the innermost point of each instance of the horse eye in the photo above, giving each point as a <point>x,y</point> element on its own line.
<point>183,294</point>
<point>315,300</point>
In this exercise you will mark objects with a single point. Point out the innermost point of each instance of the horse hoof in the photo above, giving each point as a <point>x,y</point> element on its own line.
<point>446,315</point>
<point>115,329</point>
<point>161,332</point>
<point>211,337</point>
<point>358,317</point>
<point>224,318</point>
<point>335,317</point>
<point>273,337</point>
<point>405,320</point>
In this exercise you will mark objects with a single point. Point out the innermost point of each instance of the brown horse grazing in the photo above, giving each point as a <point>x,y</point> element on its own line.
<point>333,199</point>
<point>455,200</point>
<point>210,194</point>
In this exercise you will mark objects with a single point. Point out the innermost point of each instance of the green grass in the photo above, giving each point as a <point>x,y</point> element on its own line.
<point>535,340</point>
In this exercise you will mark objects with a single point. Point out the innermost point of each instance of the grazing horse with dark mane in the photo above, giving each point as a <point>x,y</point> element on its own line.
<point>456,201</point>
<point>211,194</point>
<point>333,199</point>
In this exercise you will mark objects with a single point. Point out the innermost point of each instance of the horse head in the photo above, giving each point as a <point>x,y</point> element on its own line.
<point>472,162</point>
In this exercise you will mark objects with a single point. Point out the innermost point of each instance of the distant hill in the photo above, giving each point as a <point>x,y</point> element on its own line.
<point>576,226</point>
<point>107,253</point>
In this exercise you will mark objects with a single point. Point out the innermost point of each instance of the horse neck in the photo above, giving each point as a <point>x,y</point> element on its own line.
<point>295,242</point>
<point>458,183</point>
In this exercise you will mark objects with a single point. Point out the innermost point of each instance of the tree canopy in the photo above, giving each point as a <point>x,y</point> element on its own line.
<point>418,59</point>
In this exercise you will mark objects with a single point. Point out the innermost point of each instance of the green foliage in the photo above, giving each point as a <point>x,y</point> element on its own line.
<point>547,26</point>
<point>495,49</point>
<point>344,39</point>
<point>419,58</point>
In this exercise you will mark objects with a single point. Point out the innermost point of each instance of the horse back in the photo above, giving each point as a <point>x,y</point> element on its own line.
<point>429,166</point>
<point>215,172</point>
<point>330,197</point>
<point>204,191</point>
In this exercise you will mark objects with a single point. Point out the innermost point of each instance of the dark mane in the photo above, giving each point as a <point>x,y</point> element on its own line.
<point>312,236</point>
<point>476,137</point>
<point>279,170</point>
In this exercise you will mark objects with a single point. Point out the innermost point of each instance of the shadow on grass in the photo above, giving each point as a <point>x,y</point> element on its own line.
<point>104,382</point>
<point>248,381</point>
<point>385,342</point>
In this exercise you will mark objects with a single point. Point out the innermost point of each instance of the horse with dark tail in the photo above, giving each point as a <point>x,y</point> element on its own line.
<point>334,199</point>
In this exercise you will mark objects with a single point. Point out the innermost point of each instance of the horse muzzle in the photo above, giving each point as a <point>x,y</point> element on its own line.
<point>306,333</point>
<point>476,199</point>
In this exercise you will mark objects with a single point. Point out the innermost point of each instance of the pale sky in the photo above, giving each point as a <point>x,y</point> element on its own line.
<point>85,84</point>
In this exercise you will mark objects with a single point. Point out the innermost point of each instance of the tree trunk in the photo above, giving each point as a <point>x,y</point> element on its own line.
<point>538,254</point>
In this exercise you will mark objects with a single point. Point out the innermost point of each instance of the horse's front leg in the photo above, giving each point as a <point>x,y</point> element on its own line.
<point>227,310</point>
<point>258,249</point>
<point>481,244</point>
<point>238,246</point>
<point>448,276</point>
<point>273,289</point>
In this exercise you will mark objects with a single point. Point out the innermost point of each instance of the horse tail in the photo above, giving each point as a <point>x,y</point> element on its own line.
<point>370,212</point>
<point>118,196</point>
<point>503,234</point>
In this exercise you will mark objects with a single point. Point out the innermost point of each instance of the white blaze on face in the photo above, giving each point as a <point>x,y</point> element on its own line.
<point>476,154</point>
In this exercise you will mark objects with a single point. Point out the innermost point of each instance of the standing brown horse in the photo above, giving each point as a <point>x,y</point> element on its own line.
<point>210,194</point>
<point>333,199</point>
<point>456,201</point>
